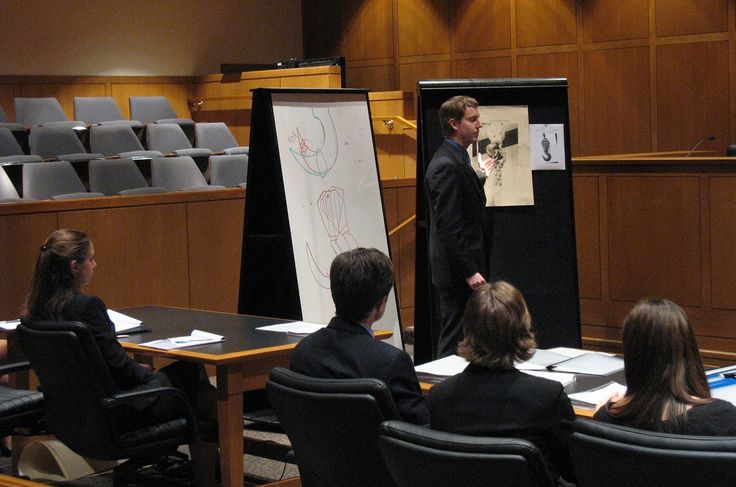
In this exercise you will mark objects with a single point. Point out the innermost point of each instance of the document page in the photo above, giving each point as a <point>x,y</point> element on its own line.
<point>440,369</point>
<point>296,328</point>
<point>197,337</point>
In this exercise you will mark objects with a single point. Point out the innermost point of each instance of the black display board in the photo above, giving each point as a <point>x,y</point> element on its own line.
<point>533,246</point>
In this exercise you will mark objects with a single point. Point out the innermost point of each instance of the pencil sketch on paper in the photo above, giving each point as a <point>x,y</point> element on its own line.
<point>333,214</point>
<point>315,145</point>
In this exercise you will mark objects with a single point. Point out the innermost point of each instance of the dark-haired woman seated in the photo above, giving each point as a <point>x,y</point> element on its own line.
<point>65,264</point>
<point>666,386</point>
<point>492,398</point>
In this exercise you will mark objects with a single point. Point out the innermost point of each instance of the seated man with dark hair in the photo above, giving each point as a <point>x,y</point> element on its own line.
<point>360,281</point>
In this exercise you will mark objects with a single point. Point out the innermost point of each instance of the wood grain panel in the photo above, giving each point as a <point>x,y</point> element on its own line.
<point>587,235</point>
<point>20,238</point>
<point>654,238</point>
<point>617,101</point>
<point>177,93</point>
<point>681,17</point>
<point>545,22</point>
<point>141,253</point>
<point>615,21</point>
<point>481,25</point>
<point>424,27</point>
<point>63,92</point>
<point>407,252</point>
<point>375,78</point>
<point>494,67</point>
<point>320,36</point>
<point>7,96</point>
<point>215,235</point>
<point>368,29</point>
<point>723,242</point>
<point>410,73</point>
<point>692,84</point>
<point>557,65</point>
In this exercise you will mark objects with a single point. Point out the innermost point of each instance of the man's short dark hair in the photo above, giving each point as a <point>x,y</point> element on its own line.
<point>359,279</point>
<point>454,108</point>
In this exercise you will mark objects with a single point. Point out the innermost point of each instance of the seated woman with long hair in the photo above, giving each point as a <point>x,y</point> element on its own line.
<point>491,397</point>
<point>65,264</point>
<point>666,386</point>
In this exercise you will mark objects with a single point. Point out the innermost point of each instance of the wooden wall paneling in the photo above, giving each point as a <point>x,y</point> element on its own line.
<point>406,197</point>
<point>481,25</point>
<point>410,153</point>
<point>320,36</point>
<point>545,22</point>
<point>587,225</point>
<point>654,238</point>
<point>374,77</point>
<point>20,238</point>
<point>367,29</point>
<point>423,27</point>
<point>692,84</point>
<point>390,151</point>
<point>493,67</point>
<point>7,97</point>
<point>722,242</point>
<point>617,101</point>
<point>557,65</point>
<point>215,236</point>
<point>682,17</point>
<point>64,92</point>
<point>615,21</point>
<point>141,253</point>
<point>410,73</point>
<point>390,211</point>
<point>177,93</point>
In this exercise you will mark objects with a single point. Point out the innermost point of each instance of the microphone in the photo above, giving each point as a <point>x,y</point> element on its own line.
<point>709,137</point>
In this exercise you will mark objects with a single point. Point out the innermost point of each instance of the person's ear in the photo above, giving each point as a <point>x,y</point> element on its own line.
<point>454,124</point>
<point>74,265</point>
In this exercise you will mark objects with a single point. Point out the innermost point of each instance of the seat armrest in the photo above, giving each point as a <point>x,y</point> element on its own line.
<point>127,397</point>
<point>14,367</point>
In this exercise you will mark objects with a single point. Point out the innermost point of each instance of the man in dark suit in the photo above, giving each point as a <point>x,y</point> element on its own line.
<point>458,241</point>
<point>360,281</point>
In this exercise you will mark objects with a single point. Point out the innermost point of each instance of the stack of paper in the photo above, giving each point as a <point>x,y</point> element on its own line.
<point>124,323</point>
<point>590,363</point>
<point>563,379</point>
<point>197,337</point>
<point>541,360</point>
<point>438,370</point>
<point>9,325</point>
<point>597,396</point>
<point>294,328</point>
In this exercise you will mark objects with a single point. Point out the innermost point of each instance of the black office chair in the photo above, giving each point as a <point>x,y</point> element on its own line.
<point>333,427</point>
<point>19,408</point>
<point>609,455</point>
<point>83,405</point>
<point>418,456</point>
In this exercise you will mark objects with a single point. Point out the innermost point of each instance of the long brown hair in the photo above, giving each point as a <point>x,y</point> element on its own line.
<point>664,373</point>
<point>497,327</point>
<point>54,283</point>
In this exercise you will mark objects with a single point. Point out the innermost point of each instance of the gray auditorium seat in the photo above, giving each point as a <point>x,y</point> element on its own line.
<point>101,110</point>
<point>118,176</point>
<point>42,111</point>
<point>170,138</point>
<point>216,136</point>
<point>118,140</point>
<point>56,180</point>
<point>10,150</point>
<point>178,174</point>
<point>229,171</point>
<point>59,142</point>
<point>7,190</point>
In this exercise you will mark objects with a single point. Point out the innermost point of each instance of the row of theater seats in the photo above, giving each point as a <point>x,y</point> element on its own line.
<point>122,176</point>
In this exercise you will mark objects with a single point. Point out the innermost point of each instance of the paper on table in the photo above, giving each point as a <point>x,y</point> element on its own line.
<point>540,360</point>
<point>560,377</point>
<point>590,363</point>
<point>570,352</point>
<point>197,337</point>
<point>9,325</point>
<point>296,328</point>
<point>122,322</point>
<point>441,368</point>
<point>597,395</point>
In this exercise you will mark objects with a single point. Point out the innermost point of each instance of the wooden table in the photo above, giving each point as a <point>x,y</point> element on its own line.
<point>242,363</point>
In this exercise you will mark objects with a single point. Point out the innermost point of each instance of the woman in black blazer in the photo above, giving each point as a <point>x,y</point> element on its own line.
<point>492,398</point>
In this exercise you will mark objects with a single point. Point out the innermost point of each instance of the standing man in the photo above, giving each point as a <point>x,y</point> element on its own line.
<point>458,241</point>
<point>360,281</point>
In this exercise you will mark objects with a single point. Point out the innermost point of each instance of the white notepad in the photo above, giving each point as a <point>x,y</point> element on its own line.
<point>197,337</point>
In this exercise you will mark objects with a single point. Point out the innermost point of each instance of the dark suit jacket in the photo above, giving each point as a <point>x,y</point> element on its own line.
<point>507,403</point>
<point>346,350</point>
<point>458,243</point>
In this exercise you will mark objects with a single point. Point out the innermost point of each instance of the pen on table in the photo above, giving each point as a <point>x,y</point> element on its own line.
<point>730,375</point>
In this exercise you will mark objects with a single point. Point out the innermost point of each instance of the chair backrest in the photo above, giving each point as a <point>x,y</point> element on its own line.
<point>111,140</point>
<point>333,426</point>
<point>215,136</point>
<point>35,111</point>
<point>175,173</point>
<point>228,171</point>
<point>9,145</point>
<point>74,378</point>
<point>610,455</point>
<point>418,456</point>
<point>96,109</point>
<point>47,179</point>
<point>7,190</point>
<point>148,109</point>
<point>166,137</point>
<point>111,176</point>
<point>51,141</point>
